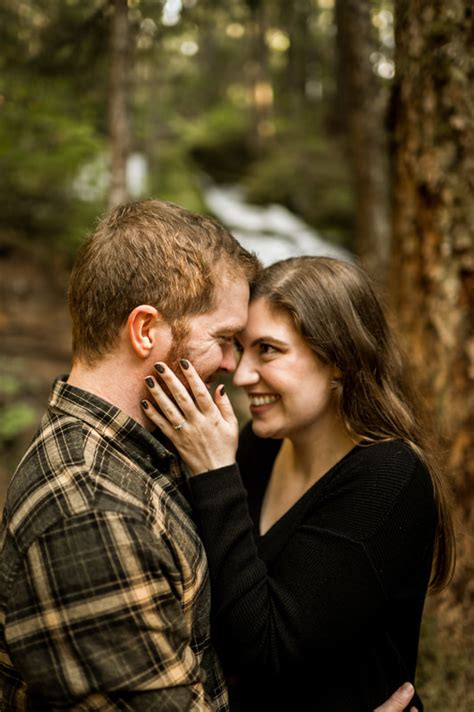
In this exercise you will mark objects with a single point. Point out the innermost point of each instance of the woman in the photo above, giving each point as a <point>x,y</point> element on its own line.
<point>321,549</point>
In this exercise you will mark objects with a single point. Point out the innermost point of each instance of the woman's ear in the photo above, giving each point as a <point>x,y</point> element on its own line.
<point>142,328</point>
<point>336,377</point>
<point>336,372</point>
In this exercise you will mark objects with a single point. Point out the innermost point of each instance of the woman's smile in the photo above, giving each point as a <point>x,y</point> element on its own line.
<point>261,402</point>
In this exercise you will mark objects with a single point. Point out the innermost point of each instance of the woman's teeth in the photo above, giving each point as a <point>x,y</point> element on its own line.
<point>263,400</point>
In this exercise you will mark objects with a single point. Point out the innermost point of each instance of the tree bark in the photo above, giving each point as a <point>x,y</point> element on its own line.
<point>297,16</point>
<point>433,249</point>
<point>260,80</point>
<point>361,117</point>
<point>119,136</point>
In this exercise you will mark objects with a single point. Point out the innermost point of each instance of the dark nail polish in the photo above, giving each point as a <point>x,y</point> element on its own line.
<point>159,368</point>
<point>144,404</point>
<point>222,391</point>
<point>184,363</point>
<point>149,381</point>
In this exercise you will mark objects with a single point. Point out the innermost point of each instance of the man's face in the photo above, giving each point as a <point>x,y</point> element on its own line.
<point>209,340</point>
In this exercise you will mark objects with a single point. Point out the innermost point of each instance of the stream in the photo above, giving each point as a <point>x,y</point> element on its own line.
<point>272,232</point>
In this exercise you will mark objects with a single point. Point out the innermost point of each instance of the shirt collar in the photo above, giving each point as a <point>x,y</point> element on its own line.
<point>110,422</point>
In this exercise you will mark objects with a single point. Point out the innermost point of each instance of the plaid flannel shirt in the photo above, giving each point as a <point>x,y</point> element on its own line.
<point>104,590</point>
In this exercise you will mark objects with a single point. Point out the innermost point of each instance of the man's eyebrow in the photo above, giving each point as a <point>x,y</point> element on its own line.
<point>235,328</point>
<point>230,330</point>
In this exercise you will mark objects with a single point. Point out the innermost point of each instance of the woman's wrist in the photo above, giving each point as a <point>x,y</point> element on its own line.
<point>217,464</point>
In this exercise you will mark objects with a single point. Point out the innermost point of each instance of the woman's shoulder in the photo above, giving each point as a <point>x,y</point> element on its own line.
<point>376,480</point>
<point>389,466</point>
<point>387,458</point>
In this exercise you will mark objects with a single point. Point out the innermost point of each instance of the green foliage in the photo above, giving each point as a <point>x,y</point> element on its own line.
<point>9,386</point>
<point>219,142</point>
<point>191,105</point>
<point>308,174</point>
<point>221,123</point>
<point>173,177</point>
<point>48,129</point>
<point>43,144</point>
<point>16,415</point>
<point>14,419</point>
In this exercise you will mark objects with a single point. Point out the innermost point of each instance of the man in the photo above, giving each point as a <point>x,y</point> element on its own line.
<point>104,592</point>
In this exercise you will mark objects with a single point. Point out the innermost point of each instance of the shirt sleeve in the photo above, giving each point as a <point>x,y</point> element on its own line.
<point>95,619</point>
<point>320,596</point>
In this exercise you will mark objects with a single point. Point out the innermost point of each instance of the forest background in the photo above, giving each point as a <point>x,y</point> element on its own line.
<point>356,115</point>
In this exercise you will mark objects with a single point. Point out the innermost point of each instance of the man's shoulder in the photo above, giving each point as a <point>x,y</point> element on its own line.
<point>68,469</point>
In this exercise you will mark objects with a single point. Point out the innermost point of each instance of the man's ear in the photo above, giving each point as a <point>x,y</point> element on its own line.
<point>143,325</point>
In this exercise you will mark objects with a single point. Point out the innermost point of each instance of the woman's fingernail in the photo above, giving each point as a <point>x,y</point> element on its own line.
<point>184,363</point>
<point>222,391</point>
<point>144,404</point>
<point>149,381</point>
<point>407,687</point>
<point>159,368</point>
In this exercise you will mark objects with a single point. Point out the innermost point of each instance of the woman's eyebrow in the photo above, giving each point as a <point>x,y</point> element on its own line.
<point>272,339</point>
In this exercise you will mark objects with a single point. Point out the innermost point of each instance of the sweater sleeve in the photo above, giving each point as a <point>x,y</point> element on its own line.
<point>320,595</point>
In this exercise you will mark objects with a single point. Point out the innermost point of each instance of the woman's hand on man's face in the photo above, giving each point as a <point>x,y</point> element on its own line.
<point>203,430</point>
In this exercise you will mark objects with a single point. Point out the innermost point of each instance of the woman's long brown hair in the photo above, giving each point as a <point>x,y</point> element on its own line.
<point>334,307</point>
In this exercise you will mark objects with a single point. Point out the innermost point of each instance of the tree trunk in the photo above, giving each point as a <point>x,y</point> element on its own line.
<point>119,139</point>
<point>433,255</point>
<point>361,113</point>
<point>260,80</point>
<point>297,16</point>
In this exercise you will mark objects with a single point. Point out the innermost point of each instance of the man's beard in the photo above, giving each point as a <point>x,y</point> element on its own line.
<point>179,350</point>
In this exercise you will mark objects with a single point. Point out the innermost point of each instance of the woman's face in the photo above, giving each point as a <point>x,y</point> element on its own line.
<point>289,388</point>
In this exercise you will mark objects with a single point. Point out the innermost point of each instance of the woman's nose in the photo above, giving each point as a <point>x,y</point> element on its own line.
<point>245,374</point>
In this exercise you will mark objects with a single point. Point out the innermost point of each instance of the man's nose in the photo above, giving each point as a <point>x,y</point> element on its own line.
<point>245,374</point>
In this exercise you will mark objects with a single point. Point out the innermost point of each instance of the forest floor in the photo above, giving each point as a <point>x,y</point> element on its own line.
<point>35,346</point>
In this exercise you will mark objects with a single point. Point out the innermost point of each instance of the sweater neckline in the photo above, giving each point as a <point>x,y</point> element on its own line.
<point>300,503</point>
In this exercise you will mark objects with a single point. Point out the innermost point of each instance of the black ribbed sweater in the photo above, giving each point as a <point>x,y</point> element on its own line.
<point>323,611</point>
